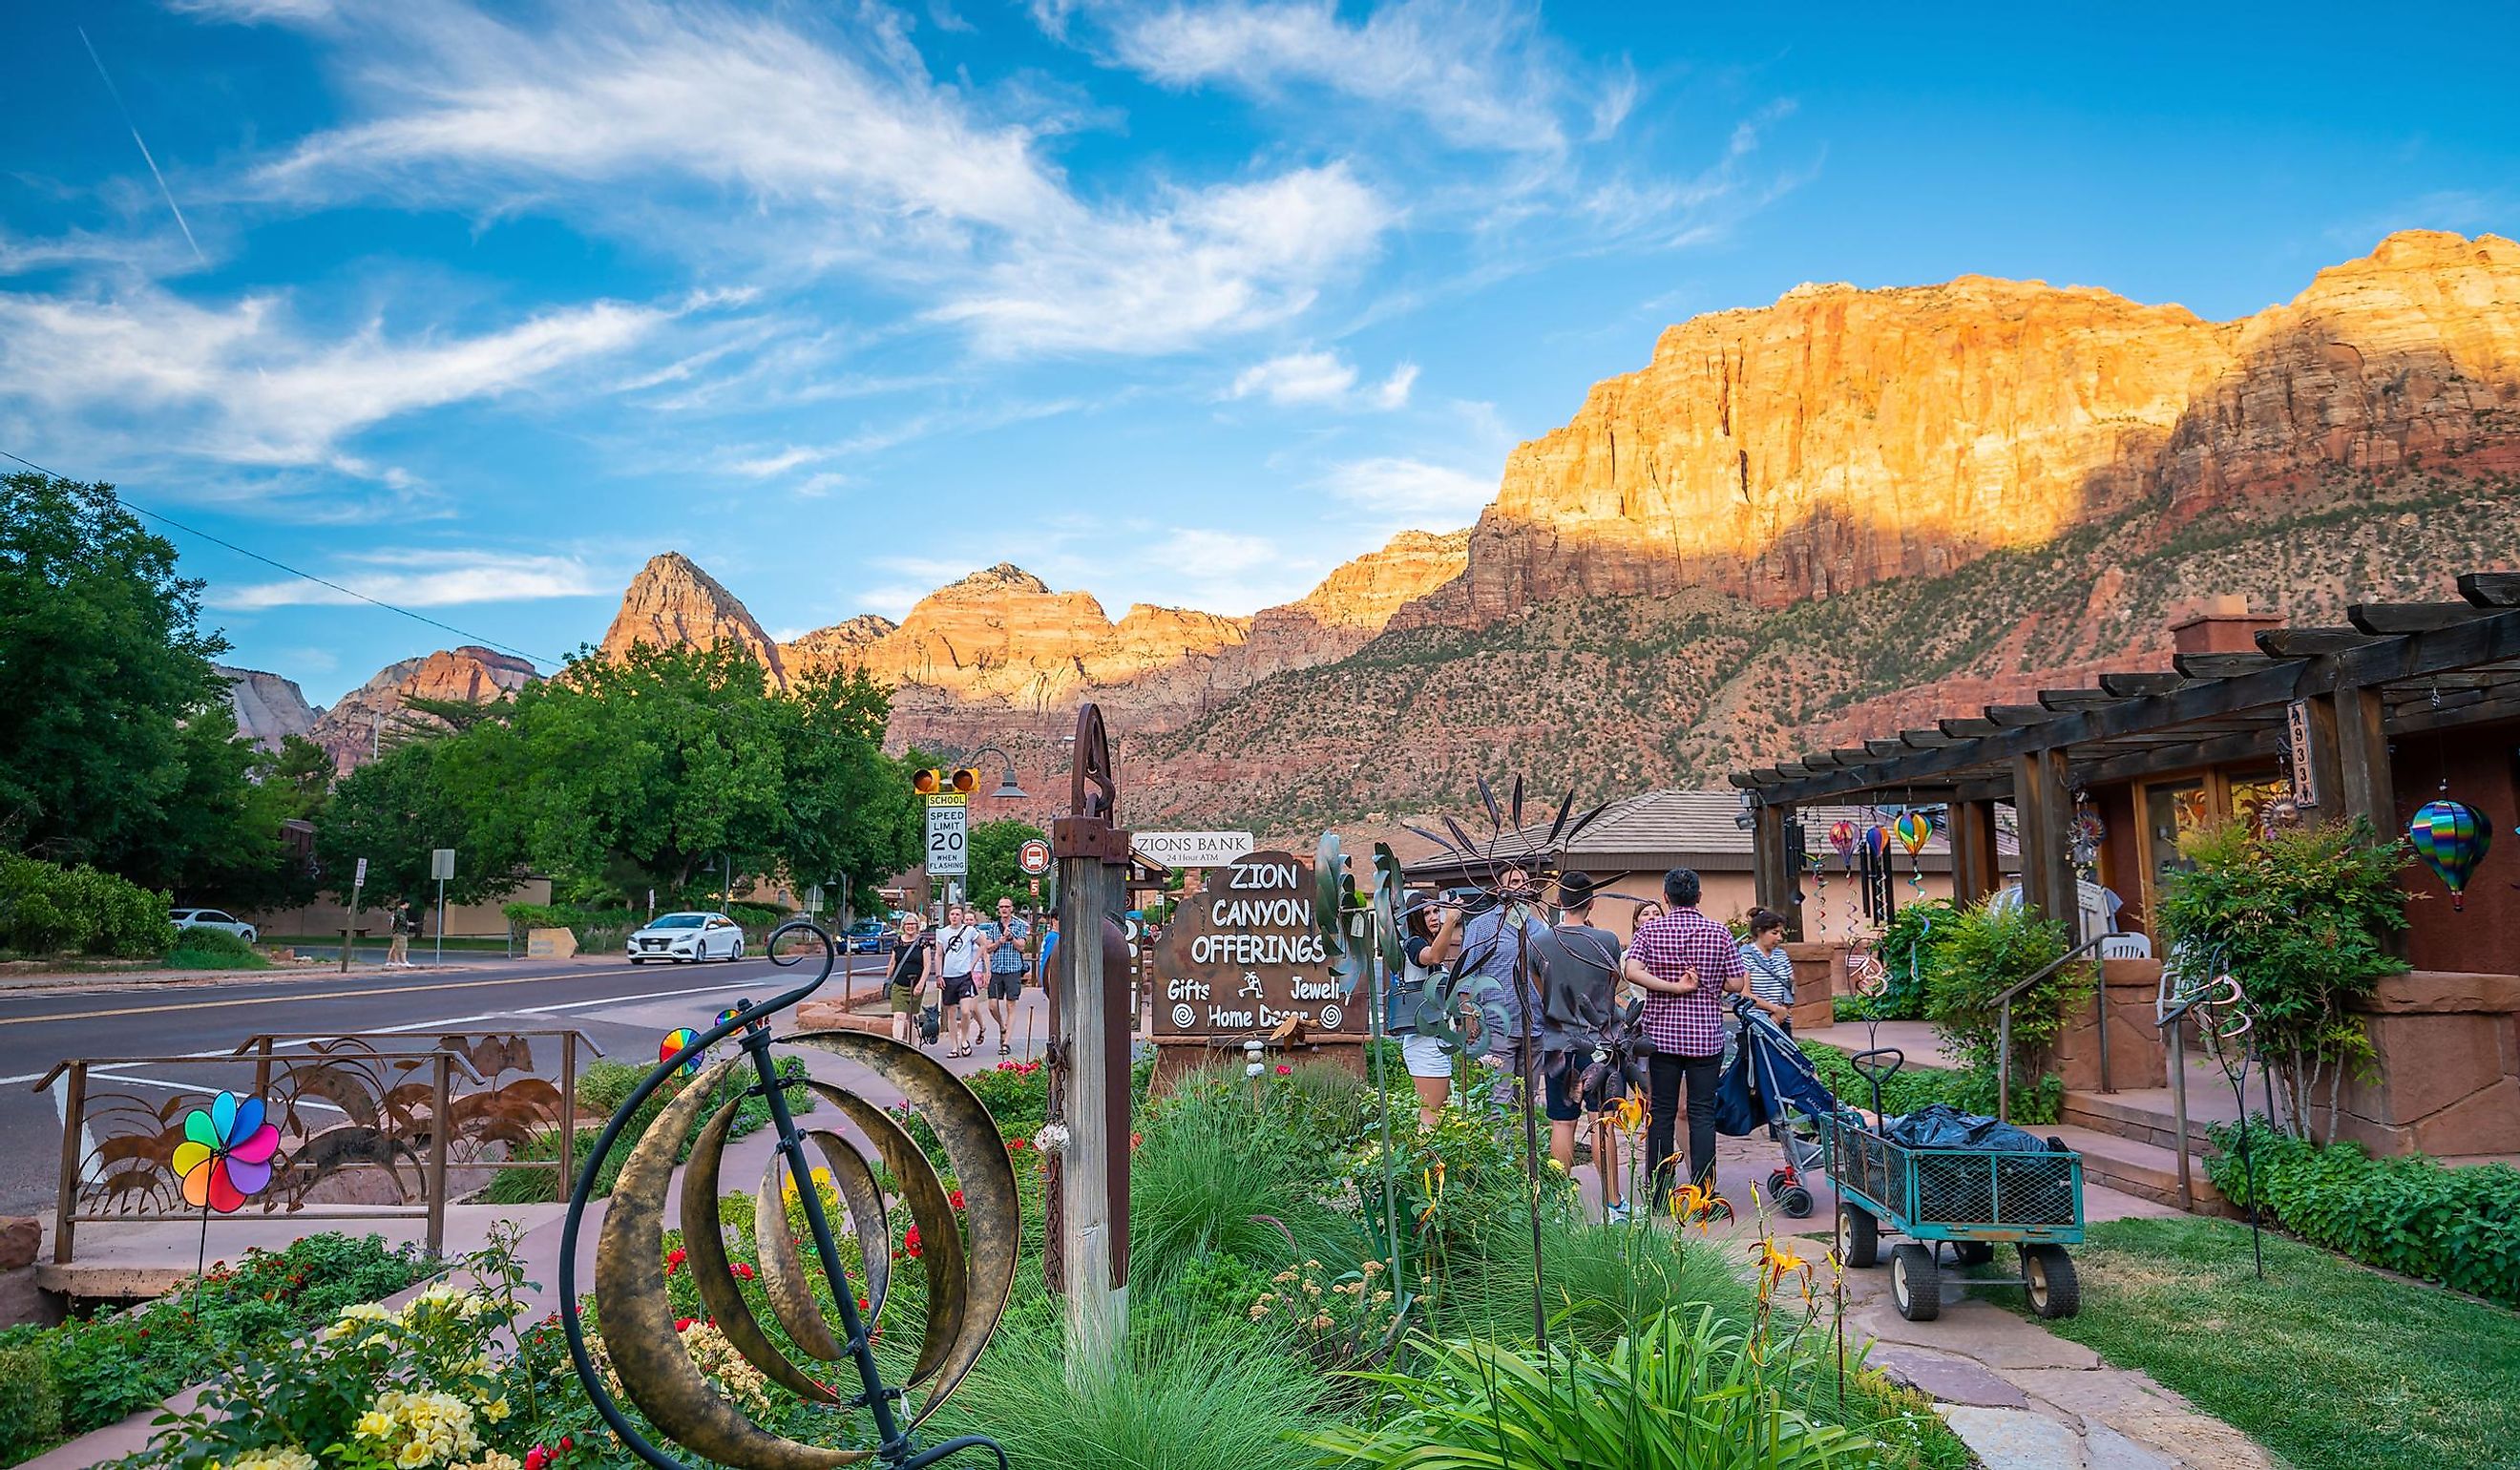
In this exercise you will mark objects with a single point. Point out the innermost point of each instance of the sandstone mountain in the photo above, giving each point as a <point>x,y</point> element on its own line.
<point>673,603</point>
<point>1841,436</point>
<point>268,708</point>
<point>369,716</point>
<point>1795,524</point>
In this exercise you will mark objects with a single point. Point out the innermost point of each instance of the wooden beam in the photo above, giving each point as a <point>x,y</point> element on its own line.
<point>1966,730</point>
<point>2063,701</point>
<point>2212,752</point>
<point>2395,618</point>
<point>2141,686</point>
<point>1821,760</point>
<point>1766,776</point>
<point>1743,780</point>
<point>1924,739</point>
<point>2302,642</point>
<point>2417,717</point>
<point>2014,715</point>
<point>1974,873</point>
<point>1772,871</point>
<point>2045,804</point>
<point>1853,755</point>
<point>2220,665</point>
<point>2490,589</point>
<point>1884,747</point>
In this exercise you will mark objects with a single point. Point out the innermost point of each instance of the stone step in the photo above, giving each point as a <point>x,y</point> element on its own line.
<point>2142,1120</point>
<point>2145,1171</point>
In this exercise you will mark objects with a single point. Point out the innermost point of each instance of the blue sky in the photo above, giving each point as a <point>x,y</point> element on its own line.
<point>475,308</point>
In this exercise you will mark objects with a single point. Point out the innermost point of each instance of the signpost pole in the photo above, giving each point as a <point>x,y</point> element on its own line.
<point>441,867</point>
<point>350,923</point>
<point>1091,1050</point>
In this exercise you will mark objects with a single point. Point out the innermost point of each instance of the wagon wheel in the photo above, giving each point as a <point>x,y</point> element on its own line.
<point>2055,1291</point>
<point>1915,1281</point>
<point>1859,1236</point>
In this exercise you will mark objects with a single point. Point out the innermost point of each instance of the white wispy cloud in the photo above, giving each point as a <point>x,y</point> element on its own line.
<point>1319,377</point>
<point>433,578</point>
<point>624,113</point>
<point>1479,74</point>
<point>246,383</point>
<point>1411,492</point>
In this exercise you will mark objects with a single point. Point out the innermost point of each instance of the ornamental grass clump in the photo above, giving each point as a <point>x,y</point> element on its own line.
<point>1682,1391</point>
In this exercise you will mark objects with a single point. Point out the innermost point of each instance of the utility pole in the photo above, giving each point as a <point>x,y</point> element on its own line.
<point>1089,1060</point>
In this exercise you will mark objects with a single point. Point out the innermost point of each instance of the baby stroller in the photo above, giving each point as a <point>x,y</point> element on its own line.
<point>1768,1078</point>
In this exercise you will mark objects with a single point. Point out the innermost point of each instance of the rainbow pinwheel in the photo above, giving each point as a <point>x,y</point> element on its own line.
<point>675,1040</point>
<point>2452,837</point>
<point>1842,836</point>
<point>226,1154</point>
<point>1912,829</point>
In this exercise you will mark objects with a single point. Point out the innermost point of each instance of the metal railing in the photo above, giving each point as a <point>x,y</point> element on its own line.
<point>2004,1025</point>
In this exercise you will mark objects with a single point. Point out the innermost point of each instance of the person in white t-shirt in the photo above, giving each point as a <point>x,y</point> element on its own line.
<point>959,950</point>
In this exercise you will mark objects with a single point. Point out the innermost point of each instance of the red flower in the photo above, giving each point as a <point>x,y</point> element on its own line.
<point>682,1323</point>
<point>910,1243</point>
<point>1014,1146</point>
<point>743,1272</point>
<point>1286,1070</point>
<point>954,1199</point>
<point>566,1444</point>
<point>1136,1138</point>
<point>673,1260</point>
<point>537,1457</point>
<point>862,1306</point>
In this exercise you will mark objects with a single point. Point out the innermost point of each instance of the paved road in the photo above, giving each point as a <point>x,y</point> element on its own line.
<point>625,1009</point>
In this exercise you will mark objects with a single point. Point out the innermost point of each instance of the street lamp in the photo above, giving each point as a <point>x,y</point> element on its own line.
<point>1007,787</point>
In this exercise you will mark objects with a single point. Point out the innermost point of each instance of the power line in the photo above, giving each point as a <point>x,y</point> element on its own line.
<point>346,591</point>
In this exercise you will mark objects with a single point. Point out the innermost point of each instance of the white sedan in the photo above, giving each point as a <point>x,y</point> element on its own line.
<point>211,918</point>
<point>686,937</point>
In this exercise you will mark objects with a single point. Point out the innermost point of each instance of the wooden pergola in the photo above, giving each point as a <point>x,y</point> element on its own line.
<point>2329,698</point>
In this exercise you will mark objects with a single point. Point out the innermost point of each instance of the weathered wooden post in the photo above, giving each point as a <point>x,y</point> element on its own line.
<point>1089,1059</point>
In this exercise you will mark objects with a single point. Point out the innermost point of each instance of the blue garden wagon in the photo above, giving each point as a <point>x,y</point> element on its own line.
<point>1970,1200</point>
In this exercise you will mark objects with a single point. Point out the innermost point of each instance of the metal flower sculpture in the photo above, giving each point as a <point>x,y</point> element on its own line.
<point>1511,871</point>
<point>968,1282</point>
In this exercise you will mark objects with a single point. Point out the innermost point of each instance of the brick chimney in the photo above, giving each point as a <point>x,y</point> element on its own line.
<point>2220,625</point>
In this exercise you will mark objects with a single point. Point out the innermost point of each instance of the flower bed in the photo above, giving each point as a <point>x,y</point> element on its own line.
<point>1269,1327</point>
<point>60,1381</point>
<point>2411,1215</point>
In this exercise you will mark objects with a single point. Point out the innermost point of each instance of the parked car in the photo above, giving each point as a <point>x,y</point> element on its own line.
<point>211,918</point>
<point>873,936</point>
<point>684,938</point>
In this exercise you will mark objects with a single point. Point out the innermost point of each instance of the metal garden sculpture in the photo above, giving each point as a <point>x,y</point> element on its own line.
<point>1515,883</point>
<point>968,1285</point>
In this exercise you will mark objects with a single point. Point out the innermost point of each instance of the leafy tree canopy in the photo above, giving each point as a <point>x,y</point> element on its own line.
<point>995,872</point>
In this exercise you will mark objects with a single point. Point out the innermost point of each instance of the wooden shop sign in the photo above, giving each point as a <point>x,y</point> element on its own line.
<point>1242,956</point>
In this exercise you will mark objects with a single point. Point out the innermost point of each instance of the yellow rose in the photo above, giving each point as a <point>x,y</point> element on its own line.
<point>496,1409</point>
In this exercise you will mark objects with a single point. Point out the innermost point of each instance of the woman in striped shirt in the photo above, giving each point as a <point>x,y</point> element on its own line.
<point>1772,974</point>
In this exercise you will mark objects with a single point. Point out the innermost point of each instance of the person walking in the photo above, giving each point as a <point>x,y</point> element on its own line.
<point>1684,962</point>
<point>1004,942</point>
<point>913,974</point>
<point>1430,943</point>
<point>403,926</point>
<point>1582,963</point>
<point>1770,971</point>
<point>958,950</point>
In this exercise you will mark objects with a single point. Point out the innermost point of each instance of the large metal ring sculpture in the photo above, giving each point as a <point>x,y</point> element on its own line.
<point>968,1286</point>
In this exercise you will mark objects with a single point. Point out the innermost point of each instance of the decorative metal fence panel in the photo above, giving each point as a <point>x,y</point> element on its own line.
<point>380,1115</point>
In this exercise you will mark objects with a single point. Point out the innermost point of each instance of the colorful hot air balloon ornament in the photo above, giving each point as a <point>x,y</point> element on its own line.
<point>1912,828</point>
<point>1876,841</point>
<point>2452,837</point>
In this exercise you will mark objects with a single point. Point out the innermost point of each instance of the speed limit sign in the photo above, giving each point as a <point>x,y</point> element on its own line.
<point>1034,857</point>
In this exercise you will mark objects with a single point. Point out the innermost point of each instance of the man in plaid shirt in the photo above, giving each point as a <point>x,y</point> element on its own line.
<point>1684,962</point>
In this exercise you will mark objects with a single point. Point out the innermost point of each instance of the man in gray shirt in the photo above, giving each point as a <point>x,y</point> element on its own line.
<point>1505,933</point>
<point>1579,994</point>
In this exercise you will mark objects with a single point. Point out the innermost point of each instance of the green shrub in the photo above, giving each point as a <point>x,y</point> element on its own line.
<point>1682,1391</point>
<point>1908,950</point>
<point>1992,948</point>
<point>213,950</point>
<point>1914,1086</point>
<point>30,1403</point>
<point>2412,1214</point>
<point>2302,917</point>
<point>47,908</point>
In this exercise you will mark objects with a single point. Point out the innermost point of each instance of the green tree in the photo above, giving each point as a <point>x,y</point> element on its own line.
<point>396,810</point>
<point>992,854</point>
<point>101,663</point>
<point>849,808</point>
<point>306,770</point>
